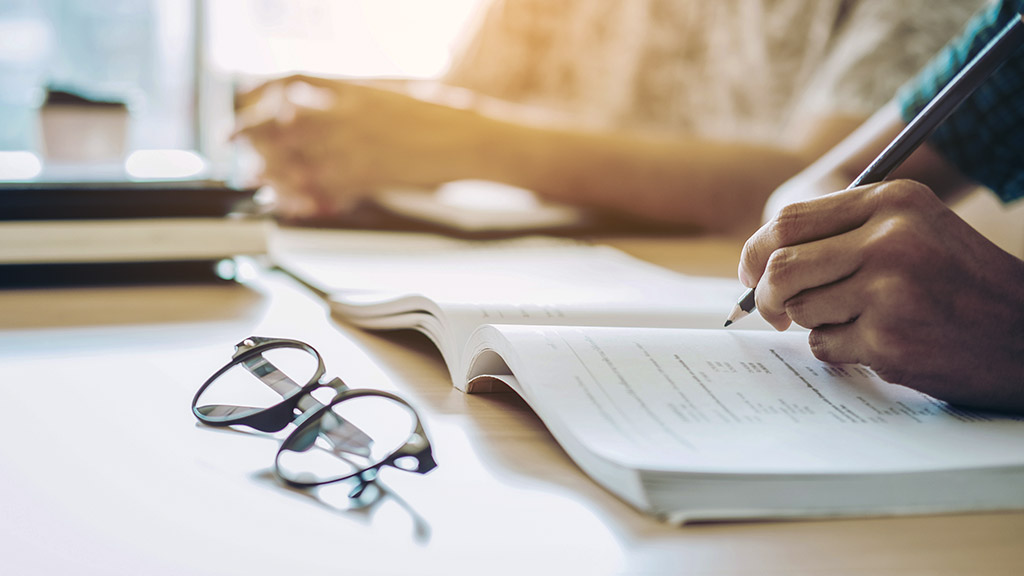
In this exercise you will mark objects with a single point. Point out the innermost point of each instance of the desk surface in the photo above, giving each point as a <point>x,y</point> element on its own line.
<point>103,469</point>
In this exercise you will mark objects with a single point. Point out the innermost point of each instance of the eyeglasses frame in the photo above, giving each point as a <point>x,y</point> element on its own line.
<point>275,418</point>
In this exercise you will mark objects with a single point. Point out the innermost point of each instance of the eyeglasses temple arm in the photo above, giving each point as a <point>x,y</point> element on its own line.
<point>343,435</point>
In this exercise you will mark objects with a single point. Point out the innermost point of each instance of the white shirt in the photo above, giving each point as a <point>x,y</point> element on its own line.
<point>745,69</point>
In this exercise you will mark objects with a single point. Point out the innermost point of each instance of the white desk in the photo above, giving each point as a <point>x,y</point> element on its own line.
<point>103,469</point>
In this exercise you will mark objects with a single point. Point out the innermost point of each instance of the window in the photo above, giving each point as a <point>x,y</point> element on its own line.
<point>175,63</point>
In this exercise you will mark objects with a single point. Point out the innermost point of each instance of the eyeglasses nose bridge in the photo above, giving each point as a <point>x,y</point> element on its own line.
<point>306,402</point>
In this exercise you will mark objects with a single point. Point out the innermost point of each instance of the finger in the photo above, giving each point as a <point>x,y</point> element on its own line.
<point>303,190</point>
<point>256,94</point>
<point>270,112</point>
<point>289,204</point>
<point>245,97</point>
<point>291,129</point>
<point>793,270</point>
<point>318,81</point>
<point>270,91</point>
<point>255,128</point>
<point>286,166</point>
<point>838,344</point>
<point>297,128</point>
<point>295,194</point>
<point>840,302</point>
<point>304,95</point>
<point>803,222</point>
<point>281,103</point>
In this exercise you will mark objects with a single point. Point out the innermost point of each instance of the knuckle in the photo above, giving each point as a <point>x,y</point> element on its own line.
<point>785,228</point>
<point>779,267</point>
<point>880,290</point>
<point>798,310</point>
<point>895,240</point>
<point>894,296</point>
<point>771,246</point>
<point>902,194</point>
<point>886,348</point>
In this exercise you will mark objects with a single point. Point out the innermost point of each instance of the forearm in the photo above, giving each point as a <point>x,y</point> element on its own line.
<point>711,185</point>
<point>836,169</point>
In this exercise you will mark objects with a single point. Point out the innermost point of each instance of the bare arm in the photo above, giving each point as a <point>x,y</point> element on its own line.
<point>714,185</point>
<point>846,160</point>
<point>327,143</point>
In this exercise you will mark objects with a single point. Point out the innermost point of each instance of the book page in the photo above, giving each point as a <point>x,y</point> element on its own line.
<point>524,281</point>
<point>736,402</point>
<point>525,275</point>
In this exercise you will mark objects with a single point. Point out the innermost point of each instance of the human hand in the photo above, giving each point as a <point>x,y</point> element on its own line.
<point>887,276</point>
<point>804,186</point>
<point>327,144</point>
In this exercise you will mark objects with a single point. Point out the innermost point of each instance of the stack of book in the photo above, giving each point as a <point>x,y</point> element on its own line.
<point>113,232</point>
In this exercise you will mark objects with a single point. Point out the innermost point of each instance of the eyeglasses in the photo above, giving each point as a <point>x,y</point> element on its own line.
<point>270,383</point>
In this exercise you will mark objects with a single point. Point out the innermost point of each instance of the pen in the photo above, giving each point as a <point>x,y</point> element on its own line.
<point>995,52</point>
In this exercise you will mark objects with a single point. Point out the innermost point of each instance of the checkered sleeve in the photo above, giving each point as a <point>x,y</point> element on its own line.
<point>984,137</point>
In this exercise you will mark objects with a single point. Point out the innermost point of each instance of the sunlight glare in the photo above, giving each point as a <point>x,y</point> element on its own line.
<point>19,165</point>
<point>159,164</point>
<point>367,38</point>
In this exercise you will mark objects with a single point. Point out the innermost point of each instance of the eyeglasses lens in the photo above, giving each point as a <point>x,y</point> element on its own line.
<point>254,383</point>
<point>325,457</point>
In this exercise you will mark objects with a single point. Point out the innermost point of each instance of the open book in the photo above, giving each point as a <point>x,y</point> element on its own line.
<point>628,367</point>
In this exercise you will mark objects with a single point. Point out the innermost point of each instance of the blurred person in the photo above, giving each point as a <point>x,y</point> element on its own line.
<point>674,111</point>
<point>886,275</point>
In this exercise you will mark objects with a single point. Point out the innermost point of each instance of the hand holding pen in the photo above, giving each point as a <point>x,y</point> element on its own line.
<point>974,73</point>
<point>886,275</point>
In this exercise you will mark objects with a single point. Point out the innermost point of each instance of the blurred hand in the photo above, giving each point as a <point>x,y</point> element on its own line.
<point>887,276</point>
<point>327,144</point>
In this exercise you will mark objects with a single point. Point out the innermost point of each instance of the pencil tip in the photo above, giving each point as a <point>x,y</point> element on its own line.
<point>727,322</point>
